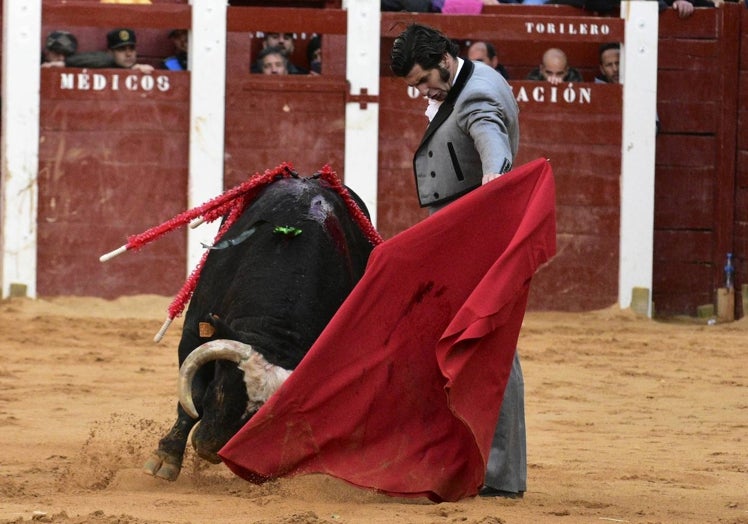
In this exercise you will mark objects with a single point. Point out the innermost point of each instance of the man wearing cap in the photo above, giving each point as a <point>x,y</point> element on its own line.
<point>121,53</point>
<point>58,46</point>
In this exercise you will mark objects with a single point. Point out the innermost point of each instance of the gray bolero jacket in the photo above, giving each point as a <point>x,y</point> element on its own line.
<point>475,132</point>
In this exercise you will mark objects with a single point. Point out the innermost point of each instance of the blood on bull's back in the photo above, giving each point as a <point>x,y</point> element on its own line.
<point>284,268</point>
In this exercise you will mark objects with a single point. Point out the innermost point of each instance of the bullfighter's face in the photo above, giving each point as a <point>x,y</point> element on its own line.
<point>435,82</point>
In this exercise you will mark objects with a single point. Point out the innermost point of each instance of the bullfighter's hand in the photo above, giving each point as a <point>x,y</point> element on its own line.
<point>491,176</point>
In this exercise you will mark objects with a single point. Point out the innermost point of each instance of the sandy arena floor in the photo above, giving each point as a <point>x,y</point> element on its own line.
<point>629,420</point>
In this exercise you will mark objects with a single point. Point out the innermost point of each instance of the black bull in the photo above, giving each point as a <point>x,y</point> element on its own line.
<point>282,270</point>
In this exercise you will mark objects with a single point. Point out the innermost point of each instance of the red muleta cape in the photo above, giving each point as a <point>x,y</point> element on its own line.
<point>401,392</point>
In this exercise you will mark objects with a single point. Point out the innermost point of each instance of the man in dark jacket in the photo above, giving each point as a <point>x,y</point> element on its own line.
<point>554,68</point>
<point>121,53</point>
<point>57,47</point>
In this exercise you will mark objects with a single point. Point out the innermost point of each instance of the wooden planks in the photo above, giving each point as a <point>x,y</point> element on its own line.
<point>111,164</point>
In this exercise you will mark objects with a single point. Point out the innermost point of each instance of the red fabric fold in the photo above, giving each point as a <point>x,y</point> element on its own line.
<point>402,390</point>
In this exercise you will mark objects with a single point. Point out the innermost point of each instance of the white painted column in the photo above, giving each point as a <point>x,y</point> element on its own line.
<point>362,125</point>
<point>639,74</point>
<point>20,147</point>
<point>207,62</point>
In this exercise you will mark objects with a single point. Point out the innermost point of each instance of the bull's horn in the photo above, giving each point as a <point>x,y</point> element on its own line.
<point>214,350</point>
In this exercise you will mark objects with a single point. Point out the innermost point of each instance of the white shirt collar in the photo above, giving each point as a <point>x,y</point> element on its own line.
<point>433,105</point>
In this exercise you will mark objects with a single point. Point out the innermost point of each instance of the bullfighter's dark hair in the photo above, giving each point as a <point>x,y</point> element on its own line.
<point>422,45</point>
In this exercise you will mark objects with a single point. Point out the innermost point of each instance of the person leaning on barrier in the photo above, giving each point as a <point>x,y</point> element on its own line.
<point>684,8</point>
<point>177,61</point>
<point>57,47</point>
<point>272,61</point>
<point>610,59</point>
<point>485,52</point>
<point>466,7</point>
<point>554,68</point>
<point>314,55</point>
<point>120,53</point>
<point>285,42</point>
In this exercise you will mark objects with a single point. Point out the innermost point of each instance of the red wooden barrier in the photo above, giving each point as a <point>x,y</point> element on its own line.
<point>108,154</point>
<point>112,162</point>
<point>298,119</point>
<point>740,239</point>
<point>695,156</point>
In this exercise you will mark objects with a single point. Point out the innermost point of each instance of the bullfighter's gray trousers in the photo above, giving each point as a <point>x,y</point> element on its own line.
<point>507,462</point>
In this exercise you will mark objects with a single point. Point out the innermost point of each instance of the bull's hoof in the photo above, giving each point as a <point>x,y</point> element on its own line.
<point>163,466</point>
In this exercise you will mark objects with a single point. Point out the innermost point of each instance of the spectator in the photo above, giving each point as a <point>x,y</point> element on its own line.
<point>272,61</point>
<point>684,8</point>
<point>314,54</point>
<point>58,46</point>
<point>284,41</point>
<point>121,54</point>
<point>485,52</point>
<point>555,69</point>
<point>178,61</point>
<point>465,7</point>
<point>610,57</point>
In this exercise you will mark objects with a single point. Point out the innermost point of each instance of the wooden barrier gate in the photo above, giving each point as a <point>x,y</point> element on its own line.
<point>696,183</point>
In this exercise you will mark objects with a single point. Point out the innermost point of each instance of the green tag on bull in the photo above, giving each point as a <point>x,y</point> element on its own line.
<point>289,231</point>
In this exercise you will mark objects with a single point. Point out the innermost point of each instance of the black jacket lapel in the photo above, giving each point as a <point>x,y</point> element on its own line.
<point>449,103</point>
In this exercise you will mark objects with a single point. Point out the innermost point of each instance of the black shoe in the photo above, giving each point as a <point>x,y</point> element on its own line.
<point>488,491</point>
